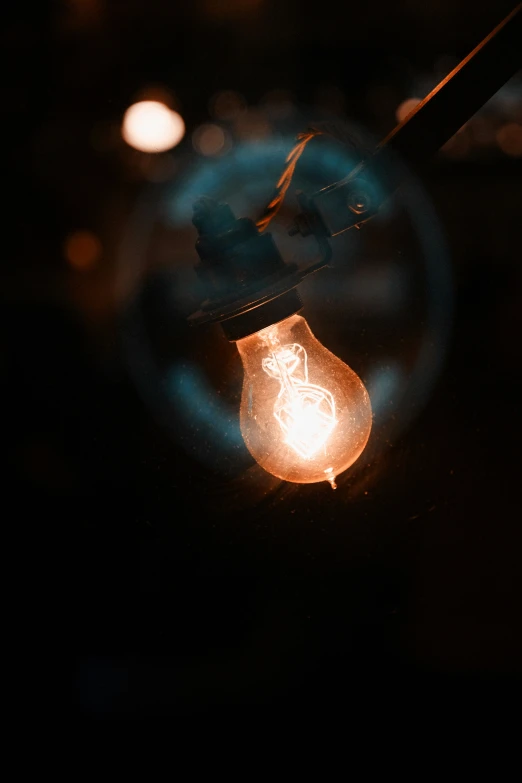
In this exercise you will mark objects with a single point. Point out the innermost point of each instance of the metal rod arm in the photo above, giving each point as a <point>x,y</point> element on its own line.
<point>414,141</point>
<point>460,94</point>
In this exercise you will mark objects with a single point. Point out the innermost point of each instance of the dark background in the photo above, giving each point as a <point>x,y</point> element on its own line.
<point>164,587</point>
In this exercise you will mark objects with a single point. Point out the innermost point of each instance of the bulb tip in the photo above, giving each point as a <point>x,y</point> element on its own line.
<point>331,478</point>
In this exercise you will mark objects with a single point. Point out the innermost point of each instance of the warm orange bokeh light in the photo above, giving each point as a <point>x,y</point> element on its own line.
<point>82,249</point>
<point>209,140</point>
<point>150,126</point>
<point>404,108</point>
<point>226,105</point>
<point>252,125</point>
<point>509,139</point>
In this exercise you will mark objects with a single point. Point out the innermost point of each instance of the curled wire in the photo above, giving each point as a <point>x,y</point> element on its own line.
<point>273,206</point>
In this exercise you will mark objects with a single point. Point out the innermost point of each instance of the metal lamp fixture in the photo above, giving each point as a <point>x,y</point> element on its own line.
<point>305,415</point>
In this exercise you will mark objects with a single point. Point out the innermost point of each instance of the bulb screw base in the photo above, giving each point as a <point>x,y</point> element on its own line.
<point>257,318</point>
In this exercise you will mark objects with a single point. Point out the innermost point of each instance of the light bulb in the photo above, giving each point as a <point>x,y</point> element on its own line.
<point>305,415</point>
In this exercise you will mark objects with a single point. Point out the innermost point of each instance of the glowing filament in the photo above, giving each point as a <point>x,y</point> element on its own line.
<point>305,411</point>
<point>293,428</point>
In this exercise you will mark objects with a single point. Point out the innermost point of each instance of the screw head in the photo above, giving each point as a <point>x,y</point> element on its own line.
<point>359,202</point>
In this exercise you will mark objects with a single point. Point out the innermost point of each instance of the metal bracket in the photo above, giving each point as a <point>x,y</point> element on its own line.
<point>337,208</point>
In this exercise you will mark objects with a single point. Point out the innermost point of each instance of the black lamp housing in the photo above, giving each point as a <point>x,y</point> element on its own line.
<point>248,284</point>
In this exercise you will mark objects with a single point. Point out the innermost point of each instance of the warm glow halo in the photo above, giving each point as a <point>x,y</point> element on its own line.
<point>150,126</point>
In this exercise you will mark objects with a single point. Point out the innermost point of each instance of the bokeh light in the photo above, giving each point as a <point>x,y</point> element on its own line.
<point>81,15</point>
<point>83,250</point>
<point>404,108</point>
<point>278,104</point>
<point>150,126</point>
<point>226,105</point>
<point>210,139</point>
<point>252,125</point>
<point>509,139</point>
